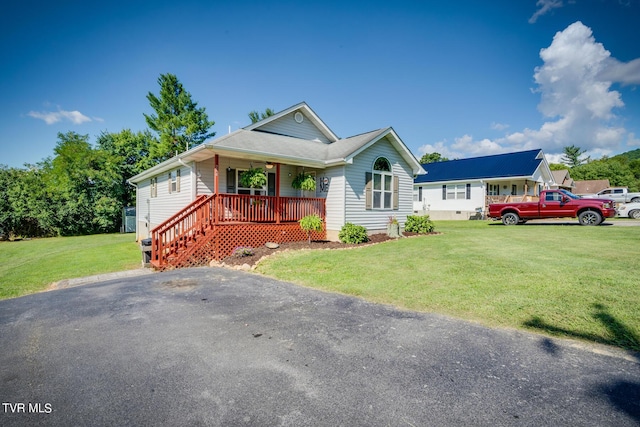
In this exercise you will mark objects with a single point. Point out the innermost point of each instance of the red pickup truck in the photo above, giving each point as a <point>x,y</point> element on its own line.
<point>554,204</point>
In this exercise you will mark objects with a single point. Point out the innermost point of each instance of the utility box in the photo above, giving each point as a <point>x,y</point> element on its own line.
<point>145,246</point>
<point>128,220</point>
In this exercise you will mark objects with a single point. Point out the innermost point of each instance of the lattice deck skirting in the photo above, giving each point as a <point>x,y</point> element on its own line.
<point>221,241</point>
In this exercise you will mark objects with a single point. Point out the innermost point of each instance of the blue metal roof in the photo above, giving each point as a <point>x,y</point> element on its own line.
<point>523,163</point>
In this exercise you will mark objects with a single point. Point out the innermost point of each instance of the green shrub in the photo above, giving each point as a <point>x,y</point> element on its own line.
<point>253,178</point>
<point>351,233</point>
<point>304,181</point>
<point>418,224</point>
<point>311,223</point>
<point>243,251</point>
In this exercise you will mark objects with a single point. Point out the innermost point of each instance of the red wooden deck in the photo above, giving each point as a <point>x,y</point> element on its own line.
<point>212,227</point>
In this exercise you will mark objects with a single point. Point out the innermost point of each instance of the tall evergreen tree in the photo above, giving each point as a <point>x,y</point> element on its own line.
<point>256,117</point>
<point>571,156</point>
<point>178,121</point>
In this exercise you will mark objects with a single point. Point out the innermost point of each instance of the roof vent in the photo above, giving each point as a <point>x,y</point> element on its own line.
<point>298,117</point>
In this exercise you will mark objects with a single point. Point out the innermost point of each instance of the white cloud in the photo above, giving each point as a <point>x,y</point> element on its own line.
<point>51,117</point>
<point>544,7</point>
<point>627,73</point>
<point>499,126</point>
<point>632,141</point>
<point>576,98</point>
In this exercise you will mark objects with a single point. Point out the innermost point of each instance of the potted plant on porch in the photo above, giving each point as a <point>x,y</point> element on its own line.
<point>304,181</point>
<point>253,178</point>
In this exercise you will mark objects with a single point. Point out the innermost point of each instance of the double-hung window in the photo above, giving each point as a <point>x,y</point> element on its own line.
<point>174,181</point>
<point>456,191</point>
<point>154,187</point>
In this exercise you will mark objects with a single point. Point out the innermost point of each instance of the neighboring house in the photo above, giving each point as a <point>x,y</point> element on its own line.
<point>563,180</point>
<point>591,186</point>
<point>463,189</point>
<point>363,179</point>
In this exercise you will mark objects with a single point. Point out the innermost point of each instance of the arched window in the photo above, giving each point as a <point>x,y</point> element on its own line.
<point>382,190</point>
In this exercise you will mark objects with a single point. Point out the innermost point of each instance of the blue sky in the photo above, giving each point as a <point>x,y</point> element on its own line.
<point>462,78</point>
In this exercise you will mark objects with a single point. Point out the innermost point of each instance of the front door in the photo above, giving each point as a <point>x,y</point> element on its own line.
<point>271,184</point>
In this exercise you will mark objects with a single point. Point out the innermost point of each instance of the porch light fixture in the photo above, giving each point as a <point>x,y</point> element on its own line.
<point>268,165</point>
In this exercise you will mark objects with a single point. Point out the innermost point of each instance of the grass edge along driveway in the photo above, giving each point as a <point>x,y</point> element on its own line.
<point>563,280</point>
<point>29,266</point>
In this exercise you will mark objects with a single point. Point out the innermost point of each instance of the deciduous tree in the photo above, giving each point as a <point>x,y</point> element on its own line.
<point>432,158</point>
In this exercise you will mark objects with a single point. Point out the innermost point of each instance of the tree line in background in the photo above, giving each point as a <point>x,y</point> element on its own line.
<point>83,188</point>
<point>622,170</point>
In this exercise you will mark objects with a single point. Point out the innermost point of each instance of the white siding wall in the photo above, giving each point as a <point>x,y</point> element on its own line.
<point>286,125</point>
<point>167,204</point>
<point>142,209</point>
<point>335,200</point>
<point>432,198</point>
<point>204,183</point>
<point>376,220</point>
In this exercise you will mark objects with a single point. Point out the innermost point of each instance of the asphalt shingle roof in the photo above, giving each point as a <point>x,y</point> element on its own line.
<point>523,163</point>
<point>279,145</point>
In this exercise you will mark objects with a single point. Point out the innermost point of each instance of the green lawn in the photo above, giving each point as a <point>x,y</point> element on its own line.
<point>571,281</point>
<point>29,266</point>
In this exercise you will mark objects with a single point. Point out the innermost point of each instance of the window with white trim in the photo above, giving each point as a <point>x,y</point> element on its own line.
<point>382,184</point>
<point>417,195</point>
<point>154,187</point>
<point>456,191</point>
<point>252,191</point>
<point>493,190</point>
<point>174,181</point>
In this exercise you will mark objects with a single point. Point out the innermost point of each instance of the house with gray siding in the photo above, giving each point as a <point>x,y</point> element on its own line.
<point>363,179</point>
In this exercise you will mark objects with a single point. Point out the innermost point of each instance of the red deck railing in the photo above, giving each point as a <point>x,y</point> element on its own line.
<point>182,230</point>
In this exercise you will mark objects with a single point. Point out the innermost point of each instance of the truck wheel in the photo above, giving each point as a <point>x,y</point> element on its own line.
<point>510,218</point>
<point>590,218</point>
<point>635,214</point>
<point>635,200</point>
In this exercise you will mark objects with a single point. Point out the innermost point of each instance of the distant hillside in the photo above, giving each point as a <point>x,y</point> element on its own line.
<point>629,155</point>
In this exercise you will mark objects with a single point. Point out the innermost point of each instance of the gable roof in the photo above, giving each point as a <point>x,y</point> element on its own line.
<point>591,186</point>
<point>255,143</point>
<point>306,111</point>
<point>563,179</point>
<point>520,164</point>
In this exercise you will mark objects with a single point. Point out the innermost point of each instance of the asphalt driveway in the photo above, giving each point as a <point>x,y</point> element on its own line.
<point>218,347</point>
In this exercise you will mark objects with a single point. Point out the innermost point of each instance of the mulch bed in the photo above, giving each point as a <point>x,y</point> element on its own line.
<point>259,253</point>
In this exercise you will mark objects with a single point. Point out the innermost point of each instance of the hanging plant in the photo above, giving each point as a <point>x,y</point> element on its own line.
<point>253,178</point>
<point>304,181</point>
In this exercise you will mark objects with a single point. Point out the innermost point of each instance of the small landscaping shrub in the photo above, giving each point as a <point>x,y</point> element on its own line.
<point>311,223</point>
<point>243,251</point>
<point>418,224</point>
<point>352,233</point>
